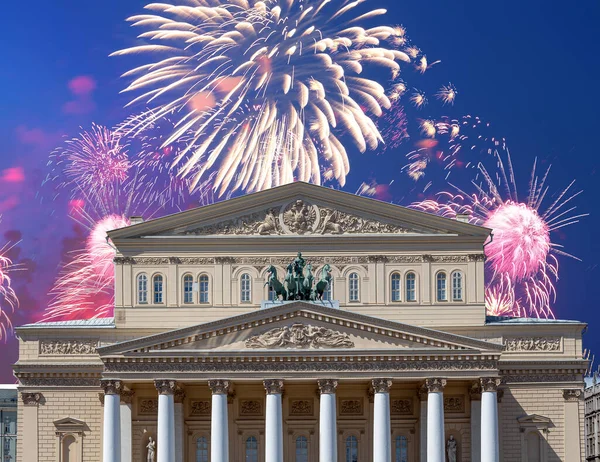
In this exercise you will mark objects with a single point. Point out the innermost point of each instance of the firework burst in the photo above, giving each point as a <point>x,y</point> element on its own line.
<point>265,88</point>
<point>8,298</point>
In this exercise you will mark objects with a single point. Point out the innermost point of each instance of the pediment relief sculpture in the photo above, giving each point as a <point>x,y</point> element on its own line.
<point>300,335</point>
<point>298,217</point>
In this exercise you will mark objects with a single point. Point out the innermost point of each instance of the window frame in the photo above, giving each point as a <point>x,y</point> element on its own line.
<point>354,276</point>
<point>395,292</point>
<point>256,440</point>
<point>196,448</point>
<point>243,278</point>
<point>439,299</point>
<point>204,278</point>
<point>306,448</point>
<point>397,438</point>
<point>461,277</point>
<point>139,291</point>
<point>191,291</point>
<point>162,289</point>
<point>414,289</point>
<point>347,440</point>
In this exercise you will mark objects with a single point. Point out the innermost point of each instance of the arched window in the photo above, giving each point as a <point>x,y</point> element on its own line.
<point>401,454</point>
<point>201,449</point>
<point>245,288</point>
<point>328,292</point>
<point>251,449</point>
<point>203,288</point>
<point>69,449</point>
<point>301,449</point>
<point>396,288</point>
<point>442,293</point>
<point>457,286</point>
<point>158,288</point>
<point>353,287</point>
<point>188,288</point>
<point>351,449</point>
<point>411,287</point>
<point>142,288</point>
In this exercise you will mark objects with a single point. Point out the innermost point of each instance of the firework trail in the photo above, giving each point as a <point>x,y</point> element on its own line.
<point>521,265</point>
<point>8,299</point>
<point>265,88</point>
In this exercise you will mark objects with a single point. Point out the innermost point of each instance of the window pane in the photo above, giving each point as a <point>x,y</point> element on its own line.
<point>252,449</point>
<point>354,288</point>
<point>351,449</point>
<point>245,288</point>
<point>204,288</point>
<point>142,288</point>
<point>301,449</point>
<point>401,449</point>
<point>328,292</point>
<point>441,287</point>
<point>411,287</point>
<point>188,289</point>
<point>395,287</point>
<point>158,289</point>
<point>202,449</point>
<point>457,286</point>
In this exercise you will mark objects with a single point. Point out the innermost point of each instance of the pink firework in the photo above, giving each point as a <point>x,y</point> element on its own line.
<point>521,264</point>
<point>8,299</point>
<point>95,159</point>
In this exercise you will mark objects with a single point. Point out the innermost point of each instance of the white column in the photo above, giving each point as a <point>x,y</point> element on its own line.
<point>179,424</point>
<point>490,445</point>
<point>165,435</point>
<point>382,430</point>
<point>219,431</point>
<point>423,424</point>
<point>126,430</point>
<point>111,443</point>
<point>436,451</point>
<point>327,421</point>
<point>572,437</point>
<point>475,394</point>
<point>273,422</point>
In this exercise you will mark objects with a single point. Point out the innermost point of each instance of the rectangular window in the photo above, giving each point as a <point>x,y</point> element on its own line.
<point>441,288</point>
<point>204,289</point>
<point>188,289</point>
<point>411,288</point>
<point>158,289</point>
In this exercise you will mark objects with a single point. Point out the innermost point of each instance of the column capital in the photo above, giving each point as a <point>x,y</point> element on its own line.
<point>422,392</point>
<point>179,394</point>
<point>381,385</point>
<point>273,386</point>
<point>111,387</point>
<point>475,391</point>
<point>327,386</point>
<point>490,384</point>
<point>165,387</point>
<point>572,394</point>
<point>218,387</point>
<point>31,399</point>
<point>127,396</point>
<point>435,385</point>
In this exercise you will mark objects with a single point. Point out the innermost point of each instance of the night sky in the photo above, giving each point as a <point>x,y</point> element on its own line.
<point>529,68</point>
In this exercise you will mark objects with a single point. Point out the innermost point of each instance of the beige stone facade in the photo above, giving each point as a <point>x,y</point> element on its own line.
<point>406,303</point>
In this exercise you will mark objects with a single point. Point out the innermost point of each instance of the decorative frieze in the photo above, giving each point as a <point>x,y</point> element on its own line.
<point>124,260</point>
<point>477,257</point>
<point>532,344</point>
<point>301,407</point>
<point>381,385</point>
<point>192,260</point>
<point>541,378</point>
<point>351,406</point>
<point>454,404</point>
<point>66,381</point>
<point>31,399</point>
<point>573,394</point>
<point>490,384</point>
<point>327,386</point>
<point>147,406</point>
<point>165,387</point>
<point>273,386</point>
<point>200,408</point>
<point>251,407</point>
<point>68,347</point>
<point>435,385</point>
<point>219,387</point>
<point>151,261</point>
<point>402,406</point>
<point>300,335</point>
<point>111,387</point>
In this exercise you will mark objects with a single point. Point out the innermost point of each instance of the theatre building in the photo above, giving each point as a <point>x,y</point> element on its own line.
<point>228,345</point>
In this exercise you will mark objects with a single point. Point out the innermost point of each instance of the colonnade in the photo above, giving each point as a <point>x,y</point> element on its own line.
<point>382,436</point>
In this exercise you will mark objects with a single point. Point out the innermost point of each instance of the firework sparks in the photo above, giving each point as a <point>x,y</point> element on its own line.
<point>447,94</point>
<point>8,298</point>
<point>521,261</point>
<point>264,88</point>
<point>418,98</point>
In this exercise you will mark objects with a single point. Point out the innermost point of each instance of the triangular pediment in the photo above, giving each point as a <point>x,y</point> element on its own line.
<point>300,328</point>
<point>68,424</point>
<point>299,209</point>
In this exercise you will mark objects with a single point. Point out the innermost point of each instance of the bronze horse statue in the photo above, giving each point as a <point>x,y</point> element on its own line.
<point>323,283</point>
<point>274,283</point>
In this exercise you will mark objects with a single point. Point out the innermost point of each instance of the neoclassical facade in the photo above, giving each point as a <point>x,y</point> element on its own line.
<point>395,360</point>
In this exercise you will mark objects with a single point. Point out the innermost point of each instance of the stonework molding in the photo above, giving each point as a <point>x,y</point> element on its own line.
<point>165,387</point>
<point>351,406</point>
<point>218,387</point>
<point>541,378</point>
<point>31,399</point>
<point>449,258</point>
<point>111,387</point>
<point>151,261</point>
<point>40,381</point>
<point>251,407</point>
<point>200,408</point>
<point>327,386</point>
<point>381,385</point>
<point>475,391</point>
<point>454,404</point>
<point>490,384</point>
<point>477,257</point>
<point>301,407</point>
<point>402,406</point>
<point>148,406</point>
<point>530,344</point>
<point>68,347</point>
<point>435,385</point>
<point>124,260</point>
<point>300,335</point>
<point>273,386</point>
<point>127,396</point>
<point>192,260</point>
<point>573,394</point>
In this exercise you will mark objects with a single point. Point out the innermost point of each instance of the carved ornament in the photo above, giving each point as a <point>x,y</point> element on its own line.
<point>68,347</point>
<point>300,335</point>
<point>218,387</point>
<point>31,399</point>
<point>381,385</point>
<point>250,407</point>
<point>541,378</point>
<point>147,406</point>
<point>199,408</point>
<point>574,394</point>
<point>477,257</point>
<point>301,407</point>
<point>490,384</point>
<point>401,406</point>
<point>273,386</point>
<point>435,385</point>
<point>67,381</point>
<point>127,396</point>
<point>179,394</point>
<point>111,387</point>
<point>327,386</point>
<point>454,404</point>
<point>351,407</point>
<point>475,391</point>
<point>526,344</point>
<point>165,387</point>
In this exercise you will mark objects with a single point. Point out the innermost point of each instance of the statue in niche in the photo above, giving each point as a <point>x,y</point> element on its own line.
<point>451,447</point>
<point>151,446</point>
